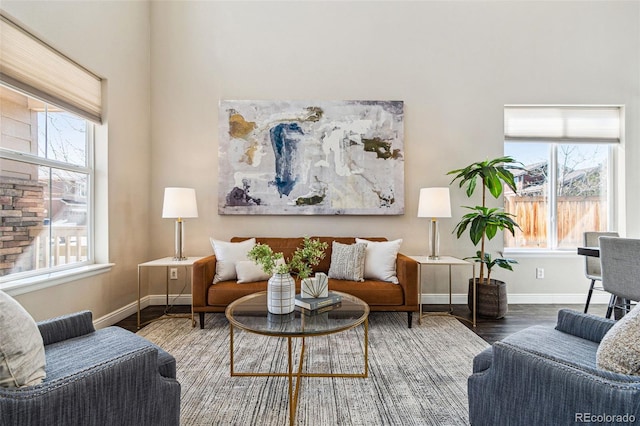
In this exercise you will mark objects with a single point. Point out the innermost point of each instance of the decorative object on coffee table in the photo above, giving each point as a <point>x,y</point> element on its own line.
<point>315,287</point>
<point>281,290</point>
<point>484,223</point>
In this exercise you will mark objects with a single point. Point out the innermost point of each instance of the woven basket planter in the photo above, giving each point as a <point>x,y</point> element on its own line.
<point>491,298</point>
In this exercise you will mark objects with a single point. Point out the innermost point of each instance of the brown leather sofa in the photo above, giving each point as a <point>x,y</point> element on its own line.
<point>379,295</point>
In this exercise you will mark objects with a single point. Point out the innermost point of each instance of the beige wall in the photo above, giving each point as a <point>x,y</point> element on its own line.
<point>112,40</point>
<point>454,64</point>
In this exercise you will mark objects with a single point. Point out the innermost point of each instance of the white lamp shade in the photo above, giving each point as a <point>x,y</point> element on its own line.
<point>179,202</point>
<point>434,202</point>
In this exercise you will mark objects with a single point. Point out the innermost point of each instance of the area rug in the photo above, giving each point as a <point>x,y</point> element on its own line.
<point>417,376</point>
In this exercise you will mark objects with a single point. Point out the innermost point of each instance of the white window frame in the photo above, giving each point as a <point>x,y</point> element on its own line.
<point>554,142</point>
<point>22,282</point>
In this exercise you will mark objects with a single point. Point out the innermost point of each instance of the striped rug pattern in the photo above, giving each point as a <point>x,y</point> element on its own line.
<point>417,376</point>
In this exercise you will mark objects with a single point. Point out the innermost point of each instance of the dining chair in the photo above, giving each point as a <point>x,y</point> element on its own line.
<point>592,264</point>
<point>620,262</point>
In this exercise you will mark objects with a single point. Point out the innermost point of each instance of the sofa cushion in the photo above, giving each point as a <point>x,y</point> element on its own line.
<point>380,259</point>
<point>227,254</point>
<point>347,261</point>
<point>619,350</point>
<point>374,293</point>
<point>22,358</point>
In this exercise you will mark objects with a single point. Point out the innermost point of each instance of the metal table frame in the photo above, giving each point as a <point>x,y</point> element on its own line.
<point>294,390</point>
<point>449,261</point>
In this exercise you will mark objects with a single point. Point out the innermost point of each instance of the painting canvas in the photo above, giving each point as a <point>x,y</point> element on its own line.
<point>304,157</point>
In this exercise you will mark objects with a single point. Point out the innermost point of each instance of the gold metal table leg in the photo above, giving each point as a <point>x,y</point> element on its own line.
<point>294,390</point>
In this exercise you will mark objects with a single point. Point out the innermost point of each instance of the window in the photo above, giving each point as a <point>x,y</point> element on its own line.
<point>45,187</point>
<point>565,184</point>
<point>48,104</point>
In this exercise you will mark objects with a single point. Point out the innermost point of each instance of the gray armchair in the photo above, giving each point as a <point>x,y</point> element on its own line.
<point>105,377</point>
<point>548,376</point>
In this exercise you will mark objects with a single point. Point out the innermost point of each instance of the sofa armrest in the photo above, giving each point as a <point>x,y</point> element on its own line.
<point>66,327</point>
<point>586,326</point>
<point>203,272</point>
<point>407,272</point>
<point>125,389</point>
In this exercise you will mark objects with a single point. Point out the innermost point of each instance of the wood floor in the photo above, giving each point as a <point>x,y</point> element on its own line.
<point>518,317</point>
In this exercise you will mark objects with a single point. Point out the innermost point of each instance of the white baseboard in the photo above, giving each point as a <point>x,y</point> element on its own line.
<point>132,308</point>
<point>431,299</point>
<point>520,298</point>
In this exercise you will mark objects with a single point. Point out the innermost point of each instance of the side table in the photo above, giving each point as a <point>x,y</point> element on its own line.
<point>449,261</point>
<point>169,262</point>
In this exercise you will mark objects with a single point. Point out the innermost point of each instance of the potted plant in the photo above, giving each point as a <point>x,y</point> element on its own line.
<point>483,224</point>
<point>281,286</point>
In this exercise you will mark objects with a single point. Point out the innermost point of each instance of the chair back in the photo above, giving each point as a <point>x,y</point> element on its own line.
<point>620,259</point>
<point>592,264</point>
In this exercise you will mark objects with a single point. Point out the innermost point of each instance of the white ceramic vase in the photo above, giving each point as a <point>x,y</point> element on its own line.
<point>281,293</point>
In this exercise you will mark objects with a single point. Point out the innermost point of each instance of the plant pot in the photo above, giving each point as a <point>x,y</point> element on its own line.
<point>491,298</point>
<point>281,294</point>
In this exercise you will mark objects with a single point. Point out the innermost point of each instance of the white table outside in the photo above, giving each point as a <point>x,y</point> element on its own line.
<point>449,261</point>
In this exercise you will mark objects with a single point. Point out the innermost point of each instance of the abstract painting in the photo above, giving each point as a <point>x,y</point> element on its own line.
<point>320,158</point>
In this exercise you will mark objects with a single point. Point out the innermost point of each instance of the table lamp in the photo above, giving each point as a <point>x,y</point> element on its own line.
<point>434,203</point>
<point>179,203</point>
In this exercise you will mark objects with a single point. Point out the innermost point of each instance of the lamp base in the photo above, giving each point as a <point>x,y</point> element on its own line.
<point>434,240</point>
<point>179,241</point>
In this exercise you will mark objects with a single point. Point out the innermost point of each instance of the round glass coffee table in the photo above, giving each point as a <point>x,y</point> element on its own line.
<point>250,313</point>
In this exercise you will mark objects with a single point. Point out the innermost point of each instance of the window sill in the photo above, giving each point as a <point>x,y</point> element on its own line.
<point>27,285</point>
<point>540,253</point>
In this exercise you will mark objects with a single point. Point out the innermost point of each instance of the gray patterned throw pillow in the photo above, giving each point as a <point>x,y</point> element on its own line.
<point>347,261</point>
<point>619,350</point>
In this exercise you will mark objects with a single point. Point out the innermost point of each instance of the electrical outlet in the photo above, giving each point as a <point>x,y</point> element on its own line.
<point>539,273</point>
<point>173,273</point>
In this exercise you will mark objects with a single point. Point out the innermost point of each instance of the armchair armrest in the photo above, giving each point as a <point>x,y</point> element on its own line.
<point>121,387</point>
<point>555,392</point>
<point>407,272</point>
<point>586,326</point>
<point>203,273</point>
<point>66,327</point>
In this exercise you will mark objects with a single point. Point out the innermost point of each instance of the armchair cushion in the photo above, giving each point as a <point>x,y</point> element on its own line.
<point>22,358</point>
<point>619,350</point>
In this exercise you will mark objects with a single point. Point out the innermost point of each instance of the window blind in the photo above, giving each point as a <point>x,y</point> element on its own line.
<point>557,123</point>
<point>30,65</point>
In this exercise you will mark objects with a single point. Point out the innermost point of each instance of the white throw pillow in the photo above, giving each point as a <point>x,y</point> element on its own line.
<point>227,254</point>
<point>380,260</point>
<point>249,271</point>
<point>619,350</point>
<point>22,358</point>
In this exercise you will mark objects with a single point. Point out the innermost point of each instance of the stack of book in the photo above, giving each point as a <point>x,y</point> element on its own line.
<point>319,304</point>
